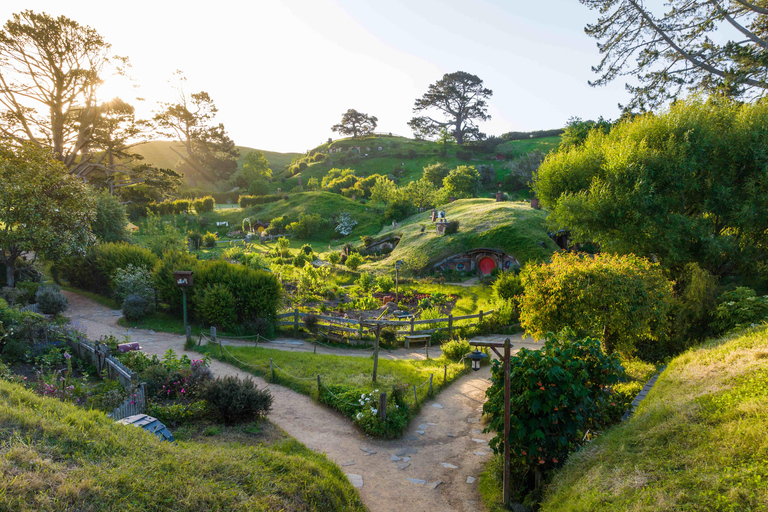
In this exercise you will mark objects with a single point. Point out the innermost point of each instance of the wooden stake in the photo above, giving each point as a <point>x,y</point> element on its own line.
<point>383,406</point>
<point>507,413</point>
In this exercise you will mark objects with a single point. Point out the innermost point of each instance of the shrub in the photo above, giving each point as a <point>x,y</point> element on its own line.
<point>389,335</point>
<point>178,414</point>
<point>196,239</point>
<point>93,272</point>
<point>237,400</point>
<point>136,307</point>
<point>456,349</point>
<point>308,226</point>
<point>334,257</point>
<point>310,322</point>
<point>365,282</point>
<point>209,239</point>
<point>133,280</point>
<point>218,307</point>
<point>50,300</point>
<point>385,284</point>
<point>740,307</point>
<point>165,283</point>
<point>306,249</point>
<point>451,227</point>
<point>354,261</point>
<point>246,201</point>
<point>507,286</point>
<point>301,259</point>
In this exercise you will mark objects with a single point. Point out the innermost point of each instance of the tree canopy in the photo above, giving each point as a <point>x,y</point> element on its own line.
<point>687,185</point>
<point>460,98</point>
<point>255,167</point>
<point>43,208</point>
<point>672,51</point>
<point>619,299</point>
<point>355,123</point>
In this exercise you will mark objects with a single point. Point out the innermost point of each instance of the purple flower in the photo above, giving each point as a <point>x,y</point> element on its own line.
<point>66,355</point>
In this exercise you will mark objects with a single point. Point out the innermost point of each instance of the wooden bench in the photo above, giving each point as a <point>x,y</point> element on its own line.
<point>417,337</point>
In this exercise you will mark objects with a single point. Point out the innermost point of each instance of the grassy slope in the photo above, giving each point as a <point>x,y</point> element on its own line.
<point>698,442</point>
<point>512,227</point>
<point>160,154</point>
<point>386,161</point>
<point>55,456</point>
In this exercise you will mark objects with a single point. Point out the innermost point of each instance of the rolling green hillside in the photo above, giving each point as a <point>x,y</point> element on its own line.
<point>698,442</point>
<point>55,456</point>
<point>161,154</point>
<point>513,227</point>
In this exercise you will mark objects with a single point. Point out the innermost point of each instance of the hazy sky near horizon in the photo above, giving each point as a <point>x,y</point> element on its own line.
<point>282,73</point>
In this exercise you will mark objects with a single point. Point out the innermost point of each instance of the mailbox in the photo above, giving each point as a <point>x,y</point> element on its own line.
<point>183,278</point>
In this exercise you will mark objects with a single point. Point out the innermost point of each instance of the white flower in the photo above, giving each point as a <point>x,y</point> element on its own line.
<point>375,390</point>
<point>359,415</point>
<point>374,411</point>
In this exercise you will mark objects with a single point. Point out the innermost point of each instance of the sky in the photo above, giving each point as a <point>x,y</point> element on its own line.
<point>281,73</point>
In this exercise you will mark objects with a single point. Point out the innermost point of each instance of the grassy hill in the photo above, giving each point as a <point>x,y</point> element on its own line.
<point>161,154</point>
<point>58,457</point>
<point>513,227</point>
<point>408,157</point>
<point>699,441</point>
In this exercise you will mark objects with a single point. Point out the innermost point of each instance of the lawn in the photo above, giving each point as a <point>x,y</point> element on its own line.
<point>58,457</point>
<point>699,441</point>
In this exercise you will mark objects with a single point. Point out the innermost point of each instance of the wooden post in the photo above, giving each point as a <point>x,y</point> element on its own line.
<point>189,334</point>
<point>450,325</point>
<point>318,386</point>
<point>383,406</point>
<point>272,370</point>
<point>376,353</point>
<point>507,351</point>
<point>445,374</point>
<point>412,326</point>
<point>430,382</point>
<point>480,317</point>
<point>415,396</point>
<point>296,322</point>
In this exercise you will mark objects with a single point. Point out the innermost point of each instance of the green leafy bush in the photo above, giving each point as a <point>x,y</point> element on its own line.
<point>385,284</point>
<point>456,349</point>
<point>133,280</point>
<point>451,227</point>
<point>50,300</point>
<point>354,261</point>
<point>365,282</point>
<point>740,307</point>
<point>246,201</point>
<point>237,400</point>
<point>163,280</point>
<point>362,408</point>
<point>178,414</point>
<point>209,239</point>
<point>93,272</point>
<point>218,307</point>
<point>136,307</point>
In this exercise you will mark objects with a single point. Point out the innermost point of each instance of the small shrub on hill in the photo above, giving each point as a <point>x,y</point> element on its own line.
<point>136,307</point>
<point>209,239</point>
<point>50,300</point>
<point>354,261</point>
<point>456,349</point>
<point>237,400</point>
<point>384,284</point>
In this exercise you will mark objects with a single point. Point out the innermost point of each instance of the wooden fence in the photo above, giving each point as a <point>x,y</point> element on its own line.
<point>134,404</point>
<point>353,326</point>
<point>33,308</point>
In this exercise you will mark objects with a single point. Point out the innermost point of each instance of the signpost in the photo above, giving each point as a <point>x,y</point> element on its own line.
<point>507,345</point>
<point>184,280</point>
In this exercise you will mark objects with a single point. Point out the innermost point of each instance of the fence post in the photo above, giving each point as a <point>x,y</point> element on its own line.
<point>430,382</point>
<point>383,406</point>
<point>296,322</point>
<point>450,325</point>
<point>376,353</point>
<point>445,374</point>
<point>272,370</point>
<point>412,326</point>
<point>318,386</point>
<point>480,317</point>
<point>415,396</point>
<point>189,334</point>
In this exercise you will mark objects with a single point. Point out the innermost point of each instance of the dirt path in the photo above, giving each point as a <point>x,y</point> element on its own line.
<point>430,469</point>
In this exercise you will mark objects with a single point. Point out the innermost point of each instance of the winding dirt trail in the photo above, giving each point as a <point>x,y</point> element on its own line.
<point>430,469</point>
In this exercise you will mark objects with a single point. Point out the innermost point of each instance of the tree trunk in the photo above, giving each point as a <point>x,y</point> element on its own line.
<point>607,341</point>
<point>10,270</point>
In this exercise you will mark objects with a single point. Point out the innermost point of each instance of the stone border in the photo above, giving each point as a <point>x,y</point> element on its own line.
<point>641,396</point>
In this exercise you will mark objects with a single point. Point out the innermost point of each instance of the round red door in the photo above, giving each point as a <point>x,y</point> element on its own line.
<point>486,265</point>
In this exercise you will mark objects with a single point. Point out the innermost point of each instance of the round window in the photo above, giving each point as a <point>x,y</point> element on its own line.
<point>460,266</point>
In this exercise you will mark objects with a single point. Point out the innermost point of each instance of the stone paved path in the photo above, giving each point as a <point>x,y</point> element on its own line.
<point>432,468</point>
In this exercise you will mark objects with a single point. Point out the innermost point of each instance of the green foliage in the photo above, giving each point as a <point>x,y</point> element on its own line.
<point>43,208</point>
<point>217,307</point>
<point>209,239</point>
<point>452,227</point>
<point>164,282</point>
<point>363,407</point>
<point>740,308</point>
<point>398,210</point>
<point>456,349</point>
<point>576,131</point>
<point>50,300</point>
<point>462,182</point>
<point>436,173</point>
<point>385,284</point>
<point>236,400</point>
<point>133,280</point>
<point>508,286</point>
<point>135,307</point>
<point>178,414</point>
<point>557,393</point>
<point>204,204</point>
<point>308,226</point>
<point>354,261</point>
<point>111,220</point>
<point>334,257</point>
<point>366,282</point>
<point>685,185</point>
<point>259,188</point>
<point>621,299</point>
<point>246,201</point>
<point>160,237</point>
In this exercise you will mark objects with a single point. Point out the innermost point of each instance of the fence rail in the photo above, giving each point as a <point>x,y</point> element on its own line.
<point>134,404</point>
<point>32,308</point>
<point>405,327</point>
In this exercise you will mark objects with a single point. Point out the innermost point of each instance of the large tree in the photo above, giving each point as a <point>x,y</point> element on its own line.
<point>676,50</point>
<point>686,185</point>
<point>208,150</point>
<point>43,208</point>
<point>355,123</point>
<point>255,167</point>
<point>460,98</point>
<point>50,71</point>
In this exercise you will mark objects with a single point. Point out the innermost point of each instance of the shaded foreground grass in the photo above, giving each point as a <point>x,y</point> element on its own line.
<point>299,370</point>
<point>699,441</point>
<point>55,456</point>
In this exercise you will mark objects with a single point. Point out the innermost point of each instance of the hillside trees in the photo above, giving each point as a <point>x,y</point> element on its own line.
<point>255,167</point>
<point>674,51</point>
<point>208,150</point>
<point>43,208</point>
<point>461,99</point>
<point>687,185</point>
<point>355,123</point>
<point>618,299</point>
<point>50,71</point>
<point>462,182</point>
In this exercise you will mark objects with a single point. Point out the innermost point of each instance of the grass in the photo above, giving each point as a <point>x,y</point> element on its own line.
<point>522,147</point>
<point>699,441</point>
<point>299,370</point>
<point>512,227</point>
<point>58,457</point>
